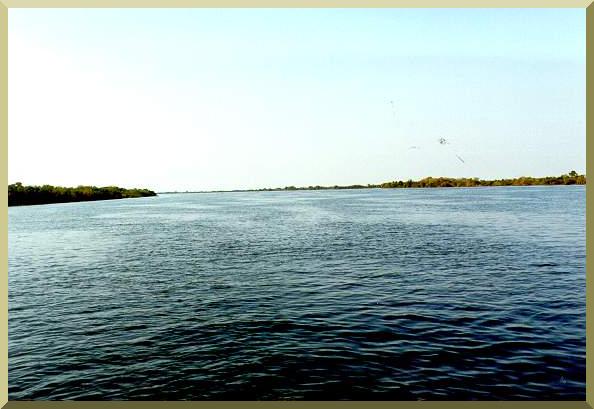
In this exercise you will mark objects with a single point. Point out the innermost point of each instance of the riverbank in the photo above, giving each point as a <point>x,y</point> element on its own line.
<point>572,178</point>
<point>22,195</point>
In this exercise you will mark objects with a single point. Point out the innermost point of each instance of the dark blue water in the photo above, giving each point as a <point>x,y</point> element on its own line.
<point>370,294</point>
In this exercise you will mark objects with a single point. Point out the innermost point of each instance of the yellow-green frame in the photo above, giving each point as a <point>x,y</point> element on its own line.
<point>4,21</point>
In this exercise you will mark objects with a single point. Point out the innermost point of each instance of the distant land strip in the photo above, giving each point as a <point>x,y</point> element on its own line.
<point>20,195</point>
<point>572,178</point>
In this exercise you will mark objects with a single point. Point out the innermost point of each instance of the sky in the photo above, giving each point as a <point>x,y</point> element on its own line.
<point>219,99</point>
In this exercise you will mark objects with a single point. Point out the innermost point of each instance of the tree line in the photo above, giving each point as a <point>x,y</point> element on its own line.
<point>572,178</point>
<point>19,194</point>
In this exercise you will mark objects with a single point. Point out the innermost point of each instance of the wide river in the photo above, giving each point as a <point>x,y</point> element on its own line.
<point>390,294</point>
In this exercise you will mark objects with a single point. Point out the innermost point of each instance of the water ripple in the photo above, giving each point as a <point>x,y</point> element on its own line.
<point>438,294</point>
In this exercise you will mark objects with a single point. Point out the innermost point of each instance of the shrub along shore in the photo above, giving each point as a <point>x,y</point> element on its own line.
<point>19,194</point>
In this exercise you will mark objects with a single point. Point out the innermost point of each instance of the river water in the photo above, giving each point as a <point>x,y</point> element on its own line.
<point>390,294</point>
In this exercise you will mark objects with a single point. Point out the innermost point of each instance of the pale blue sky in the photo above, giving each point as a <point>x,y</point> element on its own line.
<point>200,99</point>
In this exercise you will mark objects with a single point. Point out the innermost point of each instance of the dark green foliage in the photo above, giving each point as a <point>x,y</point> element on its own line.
<point>570,179</point>
<point>18,194</point>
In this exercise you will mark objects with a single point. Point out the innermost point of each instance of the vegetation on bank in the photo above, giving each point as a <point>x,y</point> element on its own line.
<point>19,194</point>
<point>572,178</point>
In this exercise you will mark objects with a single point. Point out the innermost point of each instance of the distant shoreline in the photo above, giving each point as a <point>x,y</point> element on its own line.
<point>332,189</point>
<point>572,178</point>
<point>22,195</point>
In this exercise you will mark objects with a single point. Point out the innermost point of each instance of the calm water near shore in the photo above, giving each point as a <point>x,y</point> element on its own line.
<point>367,294</point>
